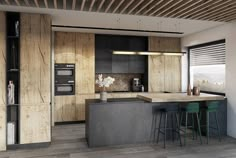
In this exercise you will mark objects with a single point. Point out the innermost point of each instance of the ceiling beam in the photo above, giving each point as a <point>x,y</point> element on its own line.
<point>17,2</point>
<point>126,6</point>
<point>182,11</point>
<point>135,6</point>
<point>46,3</point>
<point>185,3</point>
<point>143,7</point>
<point>223,15</point>
<point>55,4</point>
<point>109,5</point>
<point>7,2</point>
<point>218,10</point>
<point>36,3</point>
<point>82,5</point>
<point>154,5</point>
<point>211,7</point>
<point>161,7</point>
<point>64,4</point>
<point>100,5</point>
<point>228,19</point>
<point>27,2</point>
<point>73,5</point>
<point>168,8</point>
<point>195,9</point>
<point>91,5</point>
<point>117,6</point>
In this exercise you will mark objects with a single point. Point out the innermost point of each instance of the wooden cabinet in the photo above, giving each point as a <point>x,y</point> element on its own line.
<point>35,59</point>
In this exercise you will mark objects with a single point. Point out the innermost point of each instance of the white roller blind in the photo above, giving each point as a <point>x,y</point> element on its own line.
<point>213,54</point>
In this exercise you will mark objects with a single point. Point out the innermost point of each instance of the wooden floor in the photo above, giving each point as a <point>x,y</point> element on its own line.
<point>69,142</point>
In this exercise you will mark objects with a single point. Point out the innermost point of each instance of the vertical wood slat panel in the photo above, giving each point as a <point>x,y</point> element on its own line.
<point>3,81</point>
<point>35,49</point>
<point>164,71</point>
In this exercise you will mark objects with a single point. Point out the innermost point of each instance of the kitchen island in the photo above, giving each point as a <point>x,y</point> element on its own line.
<point>129,120</point>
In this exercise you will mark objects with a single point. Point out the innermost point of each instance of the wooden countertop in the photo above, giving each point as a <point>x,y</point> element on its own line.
<point>178,97</point>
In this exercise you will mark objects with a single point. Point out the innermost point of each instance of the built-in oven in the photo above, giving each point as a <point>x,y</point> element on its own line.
<point>64,79</point>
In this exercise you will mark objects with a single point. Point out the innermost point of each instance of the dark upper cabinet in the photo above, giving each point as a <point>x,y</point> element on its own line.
<point>103,55</point>
<point>120,64</point>
<point>106,62</point>
<point>137,63</point>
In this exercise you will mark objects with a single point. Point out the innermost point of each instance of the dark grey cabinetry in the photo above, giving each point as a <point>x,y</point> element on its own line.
<point>137,63</point>
<point>120,64</point>
<point>106,62</point>
<point>103,57</point>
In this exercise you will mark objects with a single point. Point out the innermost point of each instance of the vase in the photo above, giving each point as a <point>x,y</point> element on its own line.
<point>103,96</point>
<point>189,89</point>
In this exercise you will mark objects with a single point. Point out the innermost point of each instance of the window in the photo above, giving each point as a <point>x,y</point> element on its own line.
<point>207,66</point>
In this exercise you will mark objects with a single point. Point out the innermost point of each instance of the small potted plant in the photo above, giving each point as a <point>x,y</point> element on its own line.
<point>104,83</point>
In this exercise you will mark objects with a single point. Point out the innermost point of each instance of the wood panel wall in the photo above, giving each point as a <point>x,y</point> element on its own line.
<point>75,48</point>
<point>35,50</point>
<point>164,71</point>
<point>2,81</point>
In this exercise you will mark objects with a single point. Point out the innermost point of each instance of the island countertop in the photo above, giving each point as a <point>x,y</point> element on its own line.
<point>178,97</point>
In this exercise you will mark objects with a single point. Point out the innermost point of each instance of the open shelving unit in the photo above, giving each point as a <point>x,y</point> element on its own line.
<point>13,74</point>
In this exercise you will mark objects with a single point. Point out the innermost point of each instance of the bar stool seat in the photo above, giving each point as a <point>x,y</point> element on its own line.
<point>173,112</point>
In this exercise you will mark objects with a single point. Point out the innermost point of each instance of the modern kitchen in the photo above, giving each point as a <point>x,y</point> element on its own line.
<point>107,78</point>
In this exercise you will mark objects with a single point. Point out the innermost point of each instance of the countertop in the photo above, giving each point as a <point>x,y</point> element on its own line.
<point>178,97</point>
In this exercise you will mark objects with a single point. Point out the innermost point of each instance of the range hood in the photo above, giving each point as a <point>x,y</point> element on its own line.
<point>118,52</point>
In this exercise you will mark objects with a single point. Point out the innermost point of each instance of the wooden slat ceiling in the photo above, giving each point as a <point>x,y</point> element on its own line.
<point>209,10</point>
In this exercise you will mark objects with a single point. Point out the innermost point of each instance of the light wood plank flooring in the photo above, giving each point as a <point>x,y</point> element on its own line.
<point>69,142</point>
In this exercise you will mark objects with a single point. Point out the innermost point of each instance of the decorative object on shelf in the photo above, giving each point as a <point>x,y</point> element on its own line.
<point>103,84</point>
<point>11,133</point>
<point>196,90</point>
<point>13,52</point>
<point>189,91</point>
<point>11,93</point>
<point>17,28</point>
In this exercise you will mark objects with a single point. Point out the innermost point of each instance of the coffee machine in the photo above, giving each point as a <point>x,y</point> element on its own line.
<point>136,85</point>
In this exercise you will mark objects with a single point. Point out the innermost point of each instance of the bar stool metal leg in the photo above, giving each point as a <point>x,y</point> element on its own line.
<point>159,129</point>
<point>217,124</point>
<point>199,128</point>
<point>207,128</point>
<point>178,128</point>
<point>186,125</point>
<point>165,129</point>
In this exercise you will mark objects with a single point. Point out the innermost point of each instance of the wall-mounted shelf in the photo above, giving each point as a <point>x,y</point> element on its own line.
<point>13,75</point>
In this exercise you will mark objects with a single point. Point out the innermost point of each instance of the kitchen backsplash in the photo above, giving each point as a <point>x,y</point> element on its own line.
<point>122,82</point>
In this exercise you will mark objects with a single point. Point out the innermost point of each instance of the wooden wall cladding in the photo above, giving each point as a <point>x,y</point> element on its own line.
<point>35,50</point>
<point>75,48</point>
<point>64,47</point>
<point>164,71</point>
<point>2,81</point>
<point>2,58</point>
<point>85,63</point>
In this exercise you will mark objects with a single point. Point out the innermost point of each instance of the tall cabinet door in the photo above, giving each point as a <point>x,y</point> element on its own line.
<point>2,81</point>
<point>35,48</point>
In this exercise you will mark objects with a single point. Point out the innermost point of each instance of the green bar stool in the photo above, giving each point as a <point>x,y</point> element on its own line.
<point>212,107</point>
<point>191,108</point>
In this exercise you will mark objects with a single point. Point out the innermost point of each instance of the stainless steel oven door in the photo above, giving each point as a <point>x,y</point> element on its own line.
<point>64,89</point>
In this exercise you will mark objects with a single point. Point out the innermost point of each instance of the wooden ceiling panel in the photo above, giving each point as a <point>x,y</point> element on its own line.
<point>210,10</point>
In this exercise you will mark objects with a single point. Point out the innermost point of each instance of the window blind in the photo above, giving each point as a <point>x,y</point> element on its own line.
<point>213,54</point>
